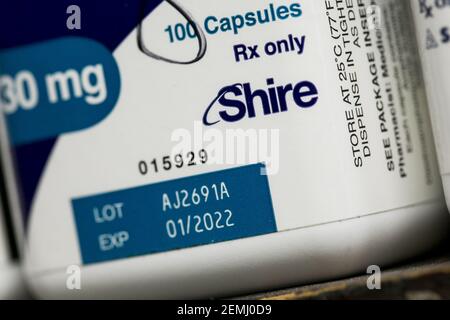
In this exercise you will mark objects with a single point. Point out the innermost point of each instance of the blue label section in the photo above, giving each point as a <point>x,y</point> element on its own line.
<point>36,21</point>
<point>198,210</point>
<point>56,87</point>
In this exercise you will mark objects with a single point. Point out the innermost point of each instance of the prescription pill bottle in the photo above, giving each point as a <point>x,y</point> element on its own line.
<point>196,149</point>
<point>433,33</point>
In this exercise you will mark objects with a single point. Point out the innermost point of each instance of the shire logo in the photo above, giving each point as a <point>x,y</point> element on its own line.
<point>239,100</point>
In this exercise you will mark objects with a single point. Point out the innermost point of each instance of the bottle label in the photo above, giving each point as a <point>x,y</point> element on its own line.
<point>433,32</point>
<point>270,115</point>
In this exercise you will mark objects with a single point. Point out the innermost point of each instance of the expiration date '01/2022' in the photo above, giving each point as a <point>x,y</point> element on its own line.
<point>200,223</point>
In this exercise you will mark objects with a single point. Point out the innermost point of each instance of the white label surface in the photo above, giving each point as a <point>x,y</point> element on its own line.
<point>433,32</point>
<point>339,117</point>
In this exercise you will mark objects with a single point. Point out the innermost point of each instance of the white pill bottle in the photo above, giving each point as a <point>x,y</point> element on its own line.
<point>432,20</point>
<point>263,145</point>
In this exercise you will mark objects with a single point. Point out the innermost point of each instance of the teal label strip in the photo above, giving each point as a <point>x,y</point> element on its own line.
<point>197,210</point>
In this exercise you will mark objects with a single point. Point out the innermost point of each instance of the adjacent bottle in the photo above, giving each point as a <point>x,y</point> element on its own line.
<point>433,32</point>
<point>11,284</point>
<point>193,149</point>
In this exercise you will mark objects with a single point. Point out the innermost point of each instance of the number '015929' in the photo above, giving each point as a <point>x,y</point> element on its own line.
<point>177,161</point>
